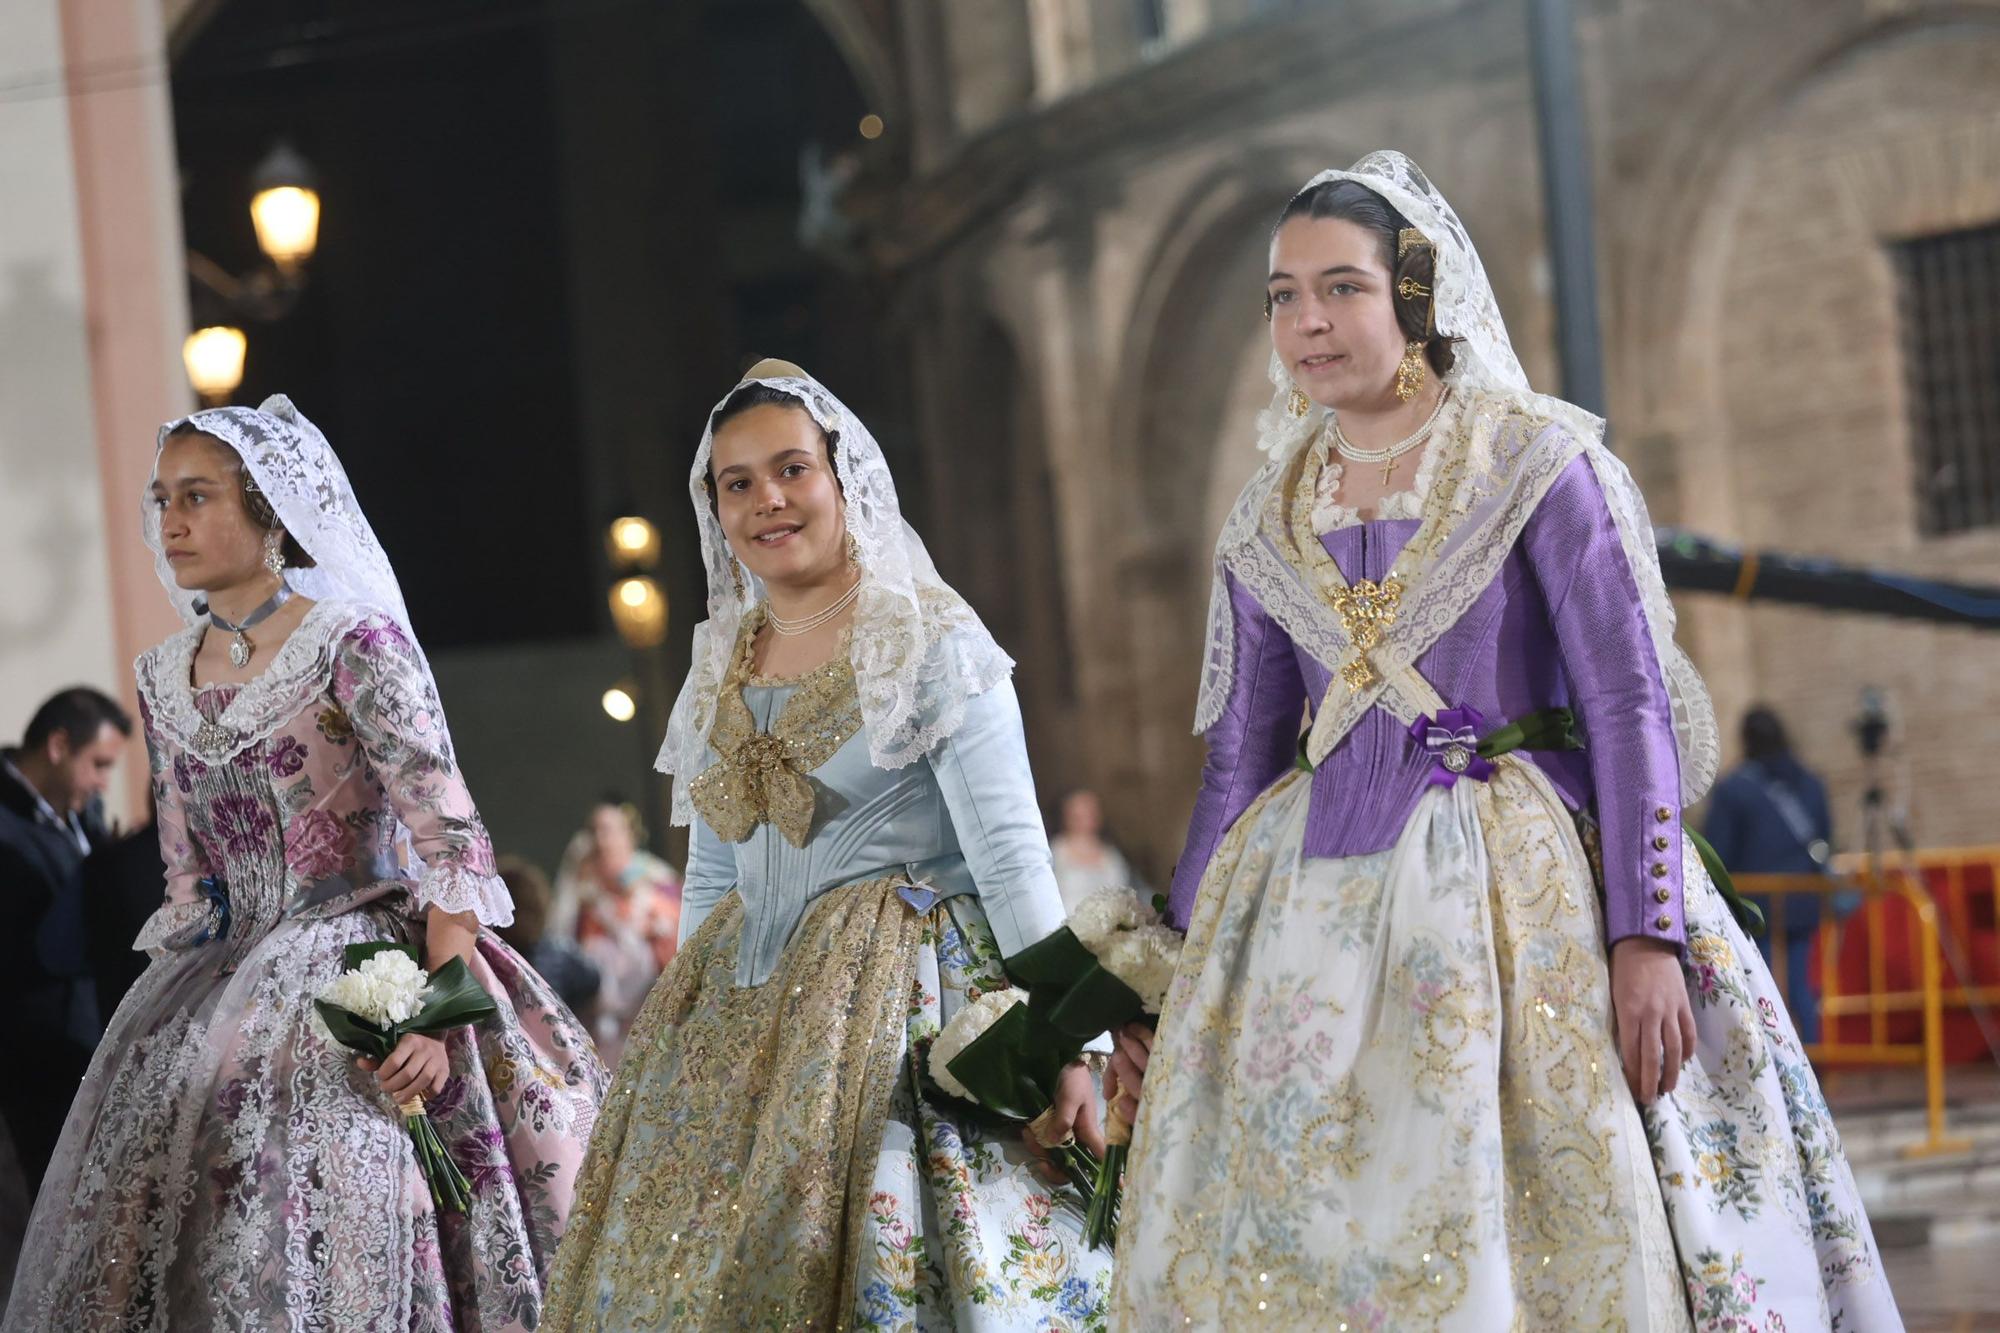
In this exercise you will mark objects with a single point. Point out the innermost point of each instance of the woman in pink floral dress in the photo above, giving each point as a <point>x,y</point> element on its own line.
<point>224,1166</point>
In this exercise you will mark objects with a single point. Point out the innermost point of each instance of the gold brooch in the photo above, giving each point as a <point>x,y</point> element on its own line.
<point>1366,609</point>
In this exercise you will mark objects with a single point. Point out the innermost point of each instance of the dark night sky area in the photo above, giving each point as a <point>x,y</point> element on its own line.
<point>433,342</point>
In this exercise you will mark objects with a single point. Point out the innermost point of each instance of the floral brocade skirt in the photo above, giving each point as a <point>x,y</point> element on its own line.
<point>225,1167</point>
<point>1387,1094</point>
<point>768,1158</point>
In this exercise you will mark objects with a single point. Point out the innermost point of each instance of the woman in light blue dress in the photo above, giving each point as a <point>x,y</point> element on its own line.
<point>866,849</point>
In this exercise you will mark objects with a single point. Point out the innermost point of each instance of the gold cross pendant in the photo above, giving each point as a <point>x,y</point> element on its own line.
<point>1388,470</point>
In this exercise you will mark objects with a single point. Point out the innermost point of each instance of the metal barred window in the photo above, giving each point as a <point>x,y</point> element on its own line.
<point>1950,307</point>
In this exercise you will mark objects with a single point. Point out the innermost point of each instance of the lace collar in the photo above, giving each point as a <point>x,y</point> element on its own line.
<point>300,669</point>
<point>1329,515</point>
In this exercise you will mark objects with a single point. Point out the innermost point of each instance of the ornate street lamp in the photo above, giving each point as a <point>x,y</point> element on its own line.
<point>285,212</point>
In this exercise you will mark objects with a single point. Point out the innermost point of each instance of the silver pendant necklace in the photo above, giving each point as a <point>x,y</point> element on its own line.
<point>240,648</point>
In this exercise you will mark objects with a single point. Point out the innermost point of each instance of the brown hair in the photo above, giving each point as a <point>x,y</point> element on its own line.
<point>255,503</point>
<point>1353,202</point>
<point>530,890</point>
<point>765,395</point>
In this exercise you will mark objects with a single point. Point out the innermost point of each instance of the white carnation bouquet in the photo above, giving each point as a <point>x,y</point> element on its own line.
<point>1011,1071</point>
<point>1110,964</point>
<point>384,996</point>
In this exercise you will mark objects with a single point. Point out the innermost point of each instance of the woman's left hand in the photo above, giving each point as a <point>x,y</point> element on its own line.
<point>419,1065</point>
<point>1649,998</point>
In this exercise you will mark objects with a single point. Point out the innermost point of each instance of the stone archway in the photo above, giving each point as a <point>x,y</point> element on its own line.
<point>1776,396</point>
<point>1195,358</point>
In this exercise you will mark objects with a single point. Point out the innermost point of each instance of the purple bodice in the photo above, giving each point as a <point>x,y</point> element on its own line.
<point>1560,626</point>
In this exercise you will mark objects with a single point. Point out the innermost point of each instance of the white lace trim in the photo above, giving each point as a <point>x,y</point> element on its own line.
<point>171,927</point>
<point>453,888</point>
<point>300,670</point>
<point>1329,515</point>
<point>920,654</point>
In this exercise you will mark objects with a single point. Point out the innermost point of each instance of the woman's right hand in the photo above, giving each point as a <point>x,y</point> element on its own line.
<point>1132,1048</point>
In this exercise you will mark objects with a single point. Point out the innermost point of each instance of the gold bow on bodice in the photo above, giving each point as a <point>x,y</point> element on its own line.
<point>762,776</point>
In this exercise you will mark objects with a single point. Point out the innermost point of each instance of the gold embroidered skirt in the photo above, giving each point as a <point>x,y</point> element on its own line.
<point>767,1158</point>
<point>1386,1093</point>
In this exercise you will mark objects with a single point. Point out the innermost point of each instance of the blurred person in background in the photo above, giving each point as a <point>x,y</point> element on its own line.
<point>561,963</point>
<point>122,883</point>
<point>51,787</point>
<point>1085,859</point>
<point>1769,816</point>
<point>626,904</point>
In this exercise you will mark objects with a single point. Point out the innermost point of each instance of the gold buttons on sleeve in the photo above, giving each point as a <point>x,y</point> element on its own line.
<point>1663,895</point>
<point>1659,872</point>
<point>1660,844</point>
<point>1663,922</point>
<point>1663,814</point>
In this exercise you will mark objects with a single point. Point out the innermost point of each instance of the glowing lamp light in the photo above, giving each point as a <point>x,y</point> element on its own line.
<point>639,609</point>
<point>619,706</point>
<point>287,222</point>
<point>214,360</point>
<point>633,542</point>
<point>871,126</point>
<point>285,208</point>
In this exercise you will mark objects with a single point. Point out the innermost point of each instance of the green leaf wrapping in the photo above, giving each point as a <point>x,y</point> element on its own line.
<point>454,998</point>
<point>1012,1067</point>
<point>1070,991</point>
<point>354,1033</point>
<point>1544,729</point>
<point>1748,915</point>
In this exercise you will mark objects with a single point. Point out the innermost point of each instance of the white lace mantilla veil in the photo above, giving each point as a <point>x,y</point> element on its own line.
<point>1465,308</point>
<point>919,652</point>
<point>295,468</point>
<point>300,476</point>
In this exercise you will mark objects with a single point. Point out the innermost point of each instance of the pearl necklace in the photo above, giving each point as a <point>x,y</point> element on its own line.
<point>1387,457</point>
<point>807,624</point>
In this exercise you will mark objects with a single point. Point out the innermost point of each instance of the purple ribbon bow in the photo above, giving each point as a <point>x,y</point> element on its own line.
<point>1452,740</point>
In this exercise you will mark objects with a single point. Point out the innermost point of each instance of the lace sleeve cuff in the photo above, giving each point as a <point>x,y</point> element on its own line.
<point>173,927</point>
<point>454,888</point>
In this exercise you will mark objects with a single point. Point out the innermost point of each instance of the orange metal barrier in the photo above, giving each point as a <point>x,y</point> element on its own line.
<point>1880,999</point>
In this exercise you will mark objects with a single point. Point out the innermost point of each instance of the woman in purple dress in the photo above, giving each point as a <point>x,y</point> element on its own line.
<point>1463,1036</point>
<point>225,1166</point>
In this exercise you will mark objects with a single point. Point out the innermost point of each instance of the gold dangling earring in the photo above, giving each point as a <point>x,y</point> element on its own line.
<point>1410,371</point>
<point>1298,402</point>
<point>853,552</point>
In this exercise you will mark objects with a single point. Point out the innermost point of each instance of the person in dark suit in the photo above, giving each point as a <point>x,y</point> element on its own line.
<point>1769,816</point>
<point>51,786</point>
<point>123,884</point>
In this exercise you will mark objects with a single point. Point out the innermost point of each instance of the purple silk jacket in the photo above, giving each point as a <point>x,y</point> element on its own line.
<point>1560,626</point>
